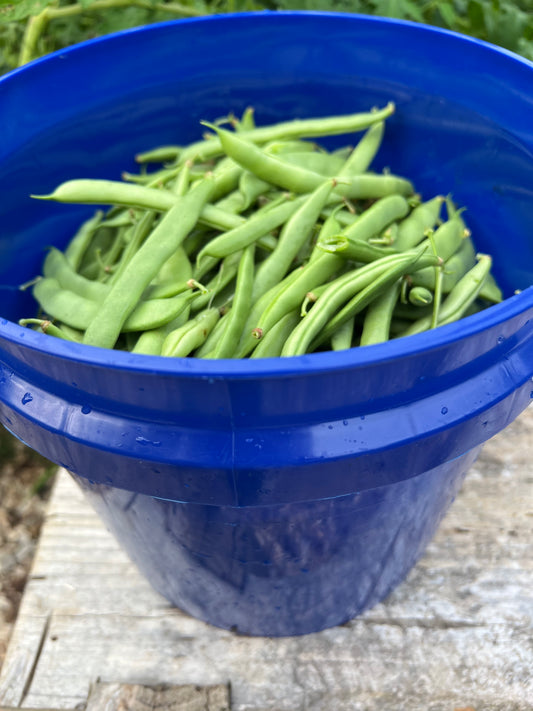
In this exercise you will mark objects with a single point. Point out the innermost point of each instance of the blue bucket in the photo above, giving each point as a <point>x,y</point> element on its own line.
<point>276,496</point>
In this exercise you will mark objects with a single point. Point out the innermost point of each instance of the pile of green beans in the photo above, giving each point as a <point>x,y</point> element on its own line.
<point>256,241</point>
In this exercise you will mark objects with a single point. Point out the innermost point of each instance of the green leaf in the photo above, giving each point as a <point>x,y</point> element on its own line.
<point>448,14</point>
<point>20,10</point>
<point>476,15</point>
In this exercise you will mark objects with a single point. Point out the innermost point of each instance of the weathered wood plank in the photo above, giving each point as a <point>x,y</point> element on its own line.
<point>456,634</point>
<point>133,697</point>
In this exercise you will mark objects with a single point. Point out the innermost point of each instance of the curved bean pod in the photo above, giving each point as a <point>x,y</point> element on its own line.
<point>397,266</point>
<point>460,298</point>
<point>127,290</point>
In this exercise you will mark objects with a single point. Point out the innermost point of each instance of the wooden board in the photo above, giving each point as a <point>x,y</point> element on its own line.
<point>457,634</point>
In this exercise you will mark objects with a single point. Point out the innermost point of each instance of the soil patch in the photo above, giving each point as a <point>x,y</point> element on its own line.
<point>25,483</point>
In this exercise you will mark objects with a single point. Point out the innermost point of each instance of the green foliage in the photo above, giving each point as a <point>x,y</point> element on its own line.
<point>503,22</point>
<point>31,28</point>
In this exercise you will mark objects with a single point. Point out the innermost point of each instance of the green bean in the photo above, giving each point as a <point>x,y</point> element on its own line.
<point>247,342</point>
<point>490,290</point>
<point>176,269</point>
<point>338,292</point>
<point>151,342</point>
<point>227,174</point>
<point>63,305</point>
<point>325,164</point>
<point>355,249</point>
<point>140,232</point>
<point>90,191</point>
<point>250,230</point>
<point>448,237</point>
<point>183,180</point>
<point>282,147</point>
<point>48,327</point>
<point>311,297</point>
<point>57,266</point>
<point>220,219</point>
<point>126,291</point>
<point>224,276</point>
<point>300,180</point>
<point>269,219</point>
<point>240,307</point>
<point>247,121</point>
<point>108,262</point>
<point>250,188</point>
<point>287,130</point>
<point>159,155</point>
<point>377,217</point>
<point>378,316</point>
<point>454,268</point>
<point>365,151</point>
<point>381,272</point>
<point>77,246</point>
<point>78,312</point>
<point>271,345</point>
<point>294,234</point>
<point>446,241</point>
<point>344,216</point>
<point>156,179</point>
<point>408,312</point>
<point>461,297</point>
<point>437,297</point>
<point>123,218</point>
<point>412,229</point>
<point>185,339</point>
<point>290,297</point>
<point>72,334</point>
<point>420,296</point>
<point>207,349</point>
<point>342,339</point>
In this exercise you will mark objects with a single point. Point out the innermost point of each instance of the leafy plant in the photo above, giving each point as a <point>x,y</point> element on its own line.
<point>31,28</point>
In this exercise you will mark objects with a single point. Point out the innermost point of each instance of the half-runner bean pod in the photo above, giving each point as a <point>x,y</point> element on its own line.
<point>460,298</point>
<point>294,234</point>
<point>181,342</point>
<point>301,180</point>
<point>395,270</point>
<point>127,290</point>
<point>287,130</point>
<point>240,306</point>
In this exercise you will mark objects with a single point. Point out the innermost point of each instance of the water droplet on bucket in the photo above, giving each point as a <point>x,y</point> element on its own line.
<point>27,397</point>
<point>531,394</point>
<point>85,409</point>
<point>444,410</point>
<point>501,339</point>
<point>345,423</point>
<point>142,440</point>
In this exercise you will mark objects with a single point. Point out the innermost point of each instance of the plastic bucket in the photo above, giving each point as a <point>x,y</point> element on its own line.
<point>280,496</point>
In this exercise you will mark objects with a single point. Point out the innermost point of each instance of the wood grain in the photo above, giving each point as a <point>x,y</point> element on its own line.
<point>456,634</point>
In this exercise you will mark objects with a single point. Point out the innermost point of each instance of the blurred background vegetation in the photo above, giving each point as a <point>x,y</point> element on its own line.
<point>32,28</point>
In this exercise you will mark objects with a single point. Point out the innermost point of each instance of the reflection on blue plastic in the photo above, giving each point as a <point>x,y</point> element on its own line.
<point>287,569</point>
<point>277,496</point>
